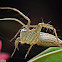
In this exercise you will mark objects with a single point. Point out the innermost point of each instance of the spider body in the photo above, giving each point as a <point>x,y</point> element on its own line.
<point>44,39</point>
<point>28,36</point>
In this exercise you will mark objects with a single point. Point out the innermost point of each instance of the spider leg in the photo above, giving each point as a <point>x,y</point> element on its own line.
<point>15,35</point>
<point>28,51</point>
<point>33,26</point>
<point>32,45</point>
<point>55,33</point>
<point>16,46</point>
<point>14,9</point>
<point>15,20</point>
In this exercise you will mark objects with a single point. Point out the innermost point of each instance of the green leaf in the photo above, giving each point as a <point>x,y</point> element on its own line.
<point>52,54</point>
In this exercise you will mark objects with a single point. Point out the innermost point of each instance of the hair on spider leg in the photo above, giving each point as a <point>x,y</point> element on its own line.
<point>49,22</point>
<point>49,31</point>
<point>52,32</point>
<point>42,20</point>
<point>28,13</point>
<point>22,17</point>
<point>46,29</point>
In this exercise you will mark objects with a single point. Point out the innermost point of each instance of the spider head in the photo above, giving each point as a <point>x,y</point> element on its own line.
<point>40,25</point>
<point>45,25</point>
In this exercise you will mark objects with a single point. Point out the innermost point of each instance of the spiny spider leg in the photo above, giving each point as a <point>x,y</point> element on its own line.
<point>14,9</point>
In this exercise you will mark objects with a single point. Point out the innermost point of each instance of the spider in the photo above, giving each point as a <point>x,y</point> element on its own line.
<point>33,36</point>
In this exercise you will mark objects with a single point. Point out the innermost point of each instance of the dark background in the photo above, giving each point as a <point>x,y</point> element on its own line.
<point>50,10</point>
